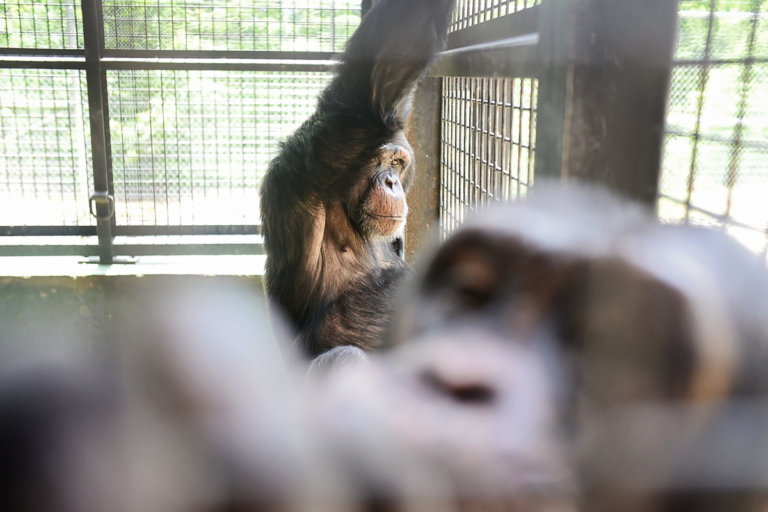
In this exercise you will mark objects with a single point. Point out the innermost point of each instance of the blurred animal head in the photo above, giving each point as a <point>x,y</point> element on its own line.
<point>539,327</point>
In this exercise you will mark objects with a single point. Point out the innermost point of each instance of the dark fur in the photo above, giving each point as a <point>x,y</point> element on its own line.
<point>327,268</point>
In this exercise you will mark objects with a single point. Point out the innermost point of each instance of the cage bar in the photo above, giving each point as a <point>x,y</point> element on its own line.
<point>473,12</point>
<point>191,147</point>
<point>487,144</point>
<point>260,25</point>
<point>44,147</point>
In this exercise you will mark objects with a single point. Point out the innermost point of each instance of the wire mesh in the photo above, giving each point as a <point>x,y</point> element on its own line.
<point>716,145</point>
<point>271,25</point>
<point>488,138</point>
<point>45,157</point>
<point>191,147</point>
<point>474,12</point>
<point>49,24</point>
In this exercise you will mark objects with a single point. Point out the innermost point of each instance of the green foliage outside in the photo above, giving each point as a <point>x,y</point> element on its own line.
<point>231,25</point>
<point>720,5</point>
<point>716,151</point>
<point>191,146</point>
<point>187,146</point>
<point>49,24</point>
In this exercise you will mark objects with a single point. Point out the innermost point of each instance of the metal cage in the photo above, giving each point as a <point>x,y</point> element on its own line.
<point>527,90</point>
<point>122,119</point>
<point>130,118</point>
<point>488,136</point>
<point>716,143</point>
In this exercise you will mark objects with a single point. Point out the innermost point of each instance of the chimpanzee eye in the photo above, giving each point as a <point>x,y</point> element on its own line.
<point>398,162</point>
<point>473,282</point>
<point>473,296</point>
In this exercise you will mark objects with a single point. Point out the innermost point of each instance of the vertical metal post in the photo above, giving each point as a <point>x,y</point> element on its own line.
<point>424,196</point>
<point>553,91</point>
<point>603,97</point>
<point>102,202</point>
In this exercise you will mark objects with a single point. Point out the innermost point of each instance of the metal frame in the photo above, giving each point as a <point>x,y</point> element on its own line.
<point>424,196</point>
<point>602,101</point>
<point>235,245</point>
<point>96,79</point>
<point>224,229</point>
<point>502,47</point>
<point>22,58</point>
<point>96,60</point>
<point>603,69</point>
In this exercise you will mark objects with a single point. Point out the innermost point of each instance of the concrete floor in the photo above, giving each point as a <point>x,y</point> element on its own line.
<point>56,300</point>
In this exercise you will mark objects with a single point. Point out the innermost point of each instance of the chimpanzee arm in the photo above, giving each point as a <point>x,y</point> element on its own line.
<point>386,56</point>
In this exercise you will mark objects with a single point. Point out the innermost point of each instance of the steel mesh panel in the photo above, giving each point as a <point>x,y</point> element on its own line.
<point>488,138</point>
<point>44,148</point>
<point>273,25</point>
<point>191,147</point>
<point>473,12</point>
<point>716,147</point>
<point>35,24</point>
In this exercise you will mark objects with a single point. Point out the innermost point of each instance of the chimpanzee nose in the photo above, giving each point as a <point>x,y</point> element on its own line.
<point>390,182</point>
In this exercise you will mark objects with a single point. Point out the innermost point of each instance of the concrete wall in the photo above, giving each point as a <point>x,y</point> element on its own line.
<point>81,302</point>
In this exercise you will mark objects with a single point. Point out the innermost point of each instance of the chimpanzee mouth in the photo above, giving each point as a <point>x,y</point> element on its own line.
<point>393,217</point>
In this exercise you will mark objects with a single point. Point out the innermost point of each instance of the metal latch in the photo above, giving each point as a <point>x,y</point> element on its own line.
<point>104,198</point>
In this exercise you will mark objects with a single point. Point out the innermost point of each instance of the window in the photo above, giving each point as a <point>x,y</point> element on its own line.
<point>145,127</point>
<point>160,117</point>
<point>716,145</point>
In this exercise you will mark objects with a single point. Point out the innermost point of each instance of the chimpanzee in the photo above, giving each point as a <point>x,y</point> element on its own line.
<point>571,347</point>
<point>333,200</point>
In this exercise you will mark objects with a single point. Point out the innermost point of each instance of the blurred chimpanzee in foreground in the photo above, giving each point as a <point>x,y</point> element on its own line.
<point>571,343</point>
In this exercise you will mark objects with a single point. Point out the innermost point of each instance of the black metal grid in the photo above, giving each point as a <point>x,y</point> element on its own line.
<point>35,24</point>
<point>191,147</point>
<point>45,164</point>
<point>200,94</point>
<point>716,146</point>
<point>474,12</point>
<point>488,138</point>
<point>226,25</point>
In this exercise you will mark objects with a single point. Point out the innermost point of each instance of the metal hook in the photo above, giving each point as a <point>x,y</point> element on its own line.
<point>102,197</point>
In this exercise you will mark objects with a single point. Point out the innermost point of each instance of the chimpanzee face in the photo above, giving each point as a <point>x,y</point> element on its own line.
<point>381,209</point>
<point>594,307</point>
